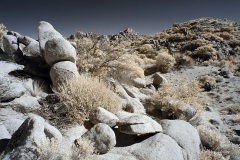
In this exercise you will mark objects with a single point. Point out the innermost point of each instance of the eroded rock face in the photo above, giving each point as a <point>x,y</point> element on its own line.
<point>59,49</point>
<point>32,139</point>
<point>103,137</point>
<point>62,72</point>
<point>46,32</point>
<point>185,135</point>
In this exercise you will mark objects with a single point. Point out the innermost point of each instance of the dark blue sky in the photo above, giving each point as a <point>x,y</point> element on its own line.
<point>110,16</point>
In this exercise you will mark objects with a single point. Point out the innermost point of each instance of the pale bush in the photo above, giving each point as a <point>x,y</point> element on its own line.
<point>3,31</point>
<point>165,62</point>
<point>170,98</point>
<point>214,140</point>
<point>83,149</point>
<point>83,95</point>
<point>145,48</point>
<point>126,68</point>
<point>211,155</point>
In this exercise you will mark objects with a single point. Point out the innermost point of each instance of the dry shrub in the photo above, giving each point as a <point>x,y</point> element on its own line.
<point>126,68</point>
<point>83,149</point>
<point>211,155</point>
<point>3,31</point>
<point>207,82</point>
<point>232,109</point>
<point>145,48</point>
<point>82,96</point>
<point>228,29</point>
<point>208,30</point>
<point>204,53</point>
<point>95,55</point>
<point>161,35</point>
<point>226,35</point>
<point>165,62</point>
<point>177,37</point>
<point>170,98</point>
<point>214,140</point>
<point>183,61</point>
<point>49,150</point>
<point>230,63</point>
<point>212,37</point>
<point>194,44</point>
<point>234,43</point>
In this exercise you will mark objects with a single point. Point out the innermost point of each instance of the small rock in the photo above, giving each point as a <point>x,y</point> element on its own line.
<point>101,115</point>
<point>59,49</point>
<point>139,82</point>
<point>158,80</point>
<point>235,154</point>
<point>235,139</point>
<point>10,44</point>
<point>103,137</point>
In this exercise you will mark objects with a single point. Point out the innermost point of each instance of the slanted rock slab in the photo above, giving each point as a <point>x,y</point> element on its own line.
<point>101,115</point>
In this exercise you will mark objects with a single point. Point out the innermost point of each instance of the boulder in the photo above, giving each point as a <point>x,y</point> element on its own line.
<point>103,137</point>
<point>158,147</point>
<point>10,44</point>
<point>158,79</point>
<point>32,50</point>
<point>101,115</point>
<point>185,135</point>
<point>10,91</point>
<point>59,49</point>
<point>137,124</point>
<point>62,72</point>
<point>46,32</point>
<point>134,105</point>
<point>34,138</point>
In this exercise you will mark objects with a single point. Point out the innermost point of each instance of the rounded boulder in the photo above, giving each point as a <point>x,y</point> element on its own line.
<point>59,49</point>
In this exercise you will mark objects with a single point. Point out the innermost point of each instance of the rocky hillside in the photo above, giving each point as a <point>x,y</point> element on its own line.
<point>172,95</point>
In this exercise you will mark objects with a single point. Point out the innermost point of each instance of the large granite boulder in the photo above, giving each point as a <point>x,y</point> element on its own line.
<point>59,49</point>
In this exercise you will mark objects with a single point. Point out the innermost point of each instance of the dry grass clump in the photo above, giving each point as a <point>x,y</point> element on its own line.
<point>214,140</point>
<point>171,98</point>
<point>3,31</point>
<point>37,88</point>
<point>82,96</point>
<point>145,48</point>
<point>165,62</point>
<point>83,149</point>
<point>207,82</point>
<point>211,155</point>
<point>204,53</point>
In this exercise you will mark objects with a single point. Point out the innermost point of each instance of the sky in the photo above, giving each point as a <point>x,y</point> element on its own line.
<point>110,16</point>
